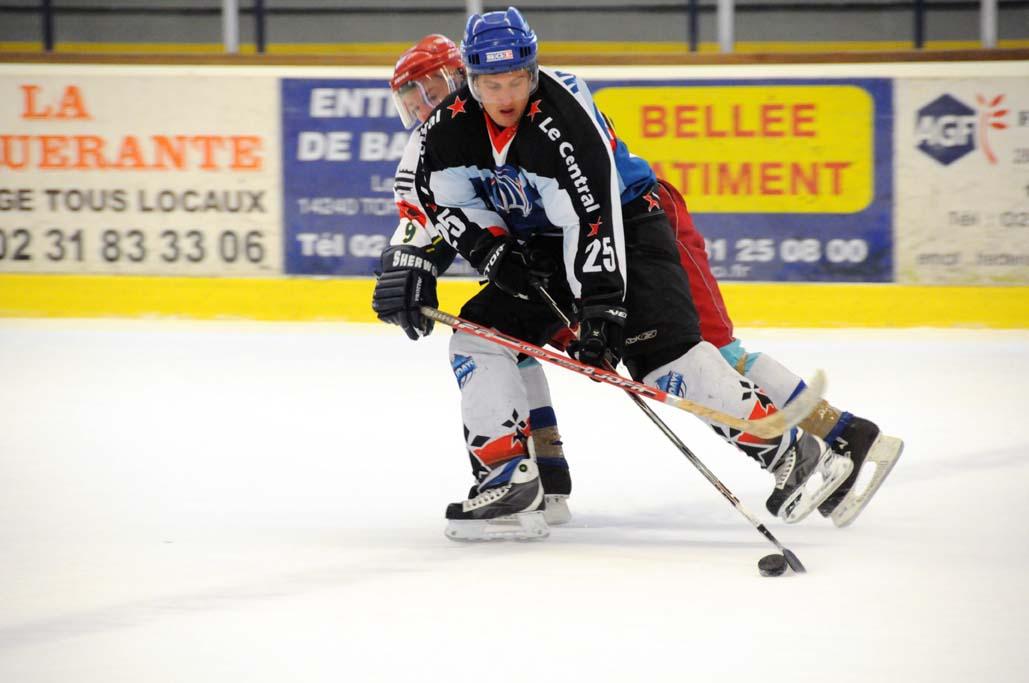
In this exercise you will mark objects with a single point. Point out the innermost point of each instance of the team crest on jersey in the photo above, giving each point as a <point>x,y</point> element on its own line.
<point>508,193</point>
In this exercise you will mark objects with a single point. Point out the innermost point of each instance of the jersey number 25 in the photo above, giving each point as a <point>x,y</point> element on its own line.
<point>600,255</point>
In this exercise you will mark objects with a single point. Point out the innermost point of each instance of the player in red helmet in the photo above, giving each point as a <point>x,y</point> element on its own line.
<point>425,73</point>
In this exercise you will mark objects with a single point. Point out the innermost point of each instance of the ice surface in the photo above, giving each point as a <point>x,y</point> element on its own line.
<point>197,502</point>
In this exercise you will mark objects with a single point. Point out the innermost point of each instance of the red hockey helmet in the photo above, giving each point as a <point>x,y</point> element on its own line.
<point>426,72</point>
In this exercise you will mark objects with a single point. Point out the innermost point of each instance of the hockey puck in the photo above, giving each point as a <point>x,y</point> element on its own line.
<point>772,565</point>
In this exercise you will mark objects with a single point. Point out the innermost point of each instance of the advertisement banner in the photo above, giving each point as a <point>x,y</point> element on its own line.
<point>183,171</point>
<point>342,140</point>
<point>145,173</point>
<point>789,180</point>
<point>962,209</point>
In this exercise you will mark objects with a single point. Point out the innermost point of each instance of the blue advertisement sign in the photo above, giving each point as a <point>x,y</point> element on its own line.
<point>342,140</point>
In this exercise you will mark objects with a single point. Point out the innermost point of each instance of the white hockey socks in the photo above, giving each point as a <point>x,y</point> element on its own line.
<point>774,378</point>
<point>702,375</point>
<point>494,404</point>
<point>781,385</point>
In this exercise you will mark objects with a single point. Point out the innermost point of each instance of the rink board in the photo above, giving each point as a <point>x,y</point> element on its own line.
<point>348,299</point>
<point>212,191</point>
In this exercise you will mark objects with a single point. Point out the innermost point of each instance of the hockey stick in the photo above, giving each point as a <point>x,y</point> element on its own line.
<point>766,427</point>
<point>791,558</point>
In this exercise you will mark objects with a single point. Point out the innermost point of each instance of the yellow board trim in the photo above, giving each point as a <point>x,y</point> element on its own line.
<point>347,299</point>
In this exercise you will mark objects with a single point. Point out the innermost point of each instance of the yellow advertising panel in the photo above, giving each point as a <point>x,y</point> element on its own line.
<point>753,148</point>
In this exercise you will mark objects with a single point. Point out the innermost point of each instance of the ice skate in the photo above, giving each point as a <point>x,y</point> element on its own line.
<point>509,505</point>
<point>555,510</point>
<point>557,486</point>
<point>874,454</point>
<point>805,476</point>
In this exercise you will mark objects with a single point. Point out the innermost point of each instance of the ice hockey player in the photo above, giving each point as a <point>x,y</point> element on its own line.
<point>424,74</point>
<point>518,169</point>
<point>850,436</point>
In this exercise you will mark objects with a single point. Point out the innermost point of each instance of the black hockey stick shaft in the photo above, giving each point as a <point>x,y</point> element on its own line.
<point>790,556</point>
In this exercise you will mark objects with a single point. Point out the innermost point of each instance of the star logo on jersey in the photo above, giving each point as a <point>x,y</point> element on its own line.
<point>652,202</point>
<point>410,212</point>
<point>534,109</point>
<point>457,107</point>
<point>594,228</point>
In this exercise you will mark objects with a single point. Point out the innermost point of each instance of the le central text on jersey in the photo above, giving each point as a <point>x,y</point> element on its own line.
<point>567,152</point>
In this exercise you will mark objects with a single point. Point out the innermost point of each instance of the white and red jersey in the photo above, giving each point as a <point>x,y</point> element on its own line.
<point>414,228</point>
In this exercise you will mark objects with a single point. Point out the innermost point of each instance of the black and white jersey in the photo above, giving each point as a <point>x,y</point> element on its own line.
<point>560,171</point>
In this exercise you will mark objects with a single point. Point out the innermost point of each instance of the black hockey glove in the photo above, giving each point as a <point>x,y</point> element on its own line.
<point>407,282</point>
<point>601,336</point>
<point>510,266</point>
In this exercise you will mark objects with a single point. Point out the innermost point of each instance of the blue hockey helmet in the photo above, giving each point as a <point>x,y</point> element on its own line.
<point>498,42</point>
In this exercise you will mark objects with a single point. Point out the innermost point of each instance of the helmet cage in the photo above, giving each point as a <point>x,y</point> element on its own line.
<point>422,94</point>
<point>534,80</point>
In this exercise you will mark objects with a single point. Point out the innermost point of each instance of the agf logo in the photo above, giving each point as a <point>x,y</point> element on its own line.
<point>947,129</point>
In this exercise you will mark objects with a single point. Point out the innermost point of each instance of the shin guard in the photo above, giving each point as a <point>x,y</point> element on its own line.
<point>494,405</point>
<point>703,375</point>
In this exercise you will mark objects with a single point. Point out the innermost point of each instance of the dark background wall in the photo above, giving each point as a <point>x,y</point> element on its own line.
<point>622,20</point>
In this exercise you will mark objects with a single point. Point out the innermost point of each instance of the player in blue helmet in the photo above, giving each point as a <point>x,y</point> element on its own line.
<point>499,51</point>
<point>499,41</point>
<point>556,155</point>
<point>425,74</point>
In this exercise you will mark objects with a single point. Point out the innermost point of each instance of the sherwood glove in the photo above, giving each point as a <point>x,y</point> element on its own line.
<point>407,282</point>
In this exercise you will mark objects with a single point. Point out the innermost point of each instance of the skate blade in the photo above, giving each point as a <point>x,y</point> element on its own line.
<point>884,454</point>
<point>525,526</point>
<point>812,494</point>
